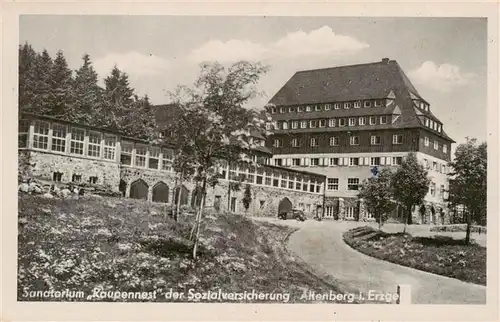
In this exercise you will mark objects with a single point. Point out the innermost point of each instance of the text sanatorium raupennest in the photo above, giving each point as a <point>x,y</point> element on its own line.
<point>193,295</point>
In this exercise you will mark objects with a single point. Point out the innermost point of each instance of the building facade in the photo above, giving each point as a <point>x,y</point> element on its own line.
<point>60,152</point>
<point>342,122</point>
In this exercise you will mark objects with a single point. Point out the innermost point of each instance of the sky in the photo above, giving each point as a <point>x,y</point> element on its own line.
<point>445,58</point>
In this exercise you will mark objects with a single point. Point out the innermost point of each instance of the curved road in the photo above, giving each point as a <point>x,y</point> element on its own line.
<point>320,245</point>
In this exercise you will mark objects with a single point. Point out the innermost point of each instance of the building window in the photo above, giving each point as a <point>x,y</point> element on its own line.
<point>341,122</point>
<point>291,109</point>
<point>368,103</point>
<point>354,140</point>
<point>333,184</point>
<point>378,103</point>
<point>383,119</point>
<point>352,121</point>
<point>126,153</point>
<point>76,178</point>
<point>94,144</point>
<point>308,108</point>
<point>334,161</point>
<point>426,141</point>
<point>353,161</point>
<point>154,158</point>
<point>445,148</point>
<point>436,145</point>
<point>375,161</point>
<point>375,140</point>
<point>347,105</point>
<point>441,191</point>
<point>397,139</point>
<point>295,142</point>
<point>329,212</point>
<point>334,141</point>
<point>315,162</point>
<point>317,107</point>
<point>426,163</point>
<point>322,123</point>
<point>328,107</point>
<point>336,106</point>
<point>303,124</point>
<point>439,128</point>
<point>282,110</point>
<point>357,104</point>
<point>352,183</point>
<point>433,189</point>
<point>362,120</point>
<point>300,109</point>
<point>109,147</point>
<point>41,135</point>
<point>434,166</point>
<point>93,179</point>
<point>273,110</point>
<point>24,126</point>
<point>57,176</point>
<point>349,213</point>
<point>278,143</point>
<point>426,122</point>
<point>77,137</point>
<point>285,125</point>
<point>58,138</point>
<point>373,120</point>
<point>277,162</point>
<point>140,156</point>
<point>313,123</point>
<point>295,124</point>
<point>331,122</point>
<point>296,162</point>
<point>397,160</point>
<point>314,142</point>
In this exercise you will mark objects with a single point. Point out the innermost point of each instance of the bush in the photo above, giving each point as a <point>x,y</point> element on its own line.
<point>459,228</point>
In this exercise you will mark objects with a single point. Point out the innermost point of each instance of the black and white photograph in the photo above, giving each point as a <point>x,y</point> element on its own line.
<point>333,160</point>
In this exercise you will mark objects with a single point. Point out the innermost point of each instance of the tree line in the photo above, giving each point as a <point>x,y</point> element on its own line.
<point>47,86</point>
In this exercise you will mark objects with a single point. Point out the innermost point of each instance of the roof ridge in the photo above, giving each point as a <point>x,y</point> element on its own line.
<point>342,66</point>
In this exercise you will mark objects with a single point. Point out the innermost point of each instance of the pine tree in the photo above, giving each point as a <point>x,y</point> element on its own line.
<point>42,98</point>
<point>27,78</point>
<point>118,98</point>
<point>62,95</point>
<point>87,93</point>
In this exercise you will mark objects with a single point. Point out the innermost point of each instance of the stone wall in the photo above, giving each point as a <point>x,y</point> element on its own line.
<point>42,165</point>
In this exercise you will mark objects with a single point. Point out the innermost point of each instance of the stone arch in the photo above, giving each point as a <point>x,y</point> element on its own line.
<point>139,190</point>
<point>184,195</point>
<point>122,187</point>
<point>285,205</point>
<point>160,192</point>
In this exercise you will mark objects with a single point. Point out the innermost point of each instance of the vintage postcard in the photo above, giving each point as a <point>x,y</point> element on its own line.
<point>250,161</point>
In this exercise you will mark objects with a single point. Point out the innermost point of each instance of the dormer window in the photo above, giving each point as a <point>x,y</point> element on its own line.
<point>322,123</point>
<point>445,148</point>
<point>282,110</point>
<point>352,121</point>
<point>303,124</point>
<point>341,122</point>
<point>285,125</point>
<point>357,104</point>
<point>295,124</point>
<point>308,108</point>
<point>431,125</point>
<point>312,123</point>
<point>362,120</point>
<point>347,105</point>
<point>300,109</point>
<point>368,104</point>
<point>331,123</point>
<point>373,120</point>
<point>291,109</point>
<point>273,110</point>
<point>439,128</point>
<point>336,106</point>
<point>328,107</point>
<point>317,107</point>
<point>383,119</point>
<point>378,103</point>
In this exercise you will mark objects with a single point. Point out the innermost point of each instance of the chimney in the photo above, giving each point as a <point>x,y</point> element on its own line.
<point>385,60</point>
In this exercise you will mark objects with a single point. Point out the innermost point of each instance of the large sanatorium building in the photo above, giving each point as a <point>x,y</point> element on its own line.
<point>331,127</point>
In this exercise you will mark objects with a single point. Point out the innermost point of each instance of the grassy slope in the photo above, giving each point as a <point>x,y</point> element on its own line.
<point>443,255</point>
<point>128,245</point>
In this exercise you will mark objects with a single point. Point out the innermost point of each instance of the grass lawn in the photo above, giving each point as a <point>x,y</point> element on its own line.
<point>439,254</point>
<point>126,245</point>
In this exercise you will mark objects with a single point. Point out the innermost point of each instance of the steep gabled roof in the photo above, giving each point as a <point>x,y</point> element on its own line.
<point>343,83</point>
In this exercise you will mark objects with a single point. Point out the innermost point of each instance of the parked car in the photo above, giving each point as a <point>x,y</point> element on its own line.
<point>293,214</point>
